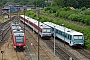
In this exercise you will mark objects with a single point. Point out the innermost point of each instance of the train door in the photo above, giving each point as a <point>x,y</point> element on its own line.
<point>70,39</point>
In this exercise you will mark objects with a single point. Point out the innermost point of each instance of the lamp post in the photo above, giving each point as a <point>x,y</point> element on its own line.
<point>38,38</point>
<point>64,33</point>
<point>54,41</point>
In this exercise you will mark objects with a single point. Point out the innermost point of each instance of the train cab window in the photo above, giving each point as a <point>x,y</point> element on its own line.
<point>48,30</point>
<point>45,30</point>
<point>19,39</point>
<point>78,37</point>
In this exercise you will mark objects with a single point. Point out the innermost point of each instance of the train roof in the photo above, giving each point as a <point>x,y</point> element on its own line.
<point>61,28</point>
<point>18,31</point>
<point>19,34</point>
<point>15,24</point>
<point>16,27</point>
<point>41,25</point>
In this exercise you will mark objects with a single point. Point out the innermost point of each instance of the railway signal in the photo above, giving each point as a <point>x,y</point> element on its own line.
<point>2,54</point>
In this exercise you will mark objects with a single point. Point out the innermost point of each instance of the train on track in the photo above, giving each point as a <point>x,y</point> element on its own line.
<point>44,30</point>
<point>73,38</point>
<point>18,36</point>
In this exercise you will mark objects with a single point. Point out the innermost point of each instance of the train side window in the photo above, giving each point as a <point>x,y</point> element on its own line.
<point>70,37</point>
<point>56,31</point>
<point>65,35</point>
<point>60,32</point>
<point>52,29</point>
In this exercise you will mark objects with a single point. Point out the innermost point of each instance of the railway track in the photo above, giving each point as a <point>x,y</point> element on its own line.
<point>77,52</point>
<point>43,54</point>
<point>4,23</point>
<point>20,55</point>
<point>68,57</point>
<point>29,52</point>
<point>64,55</point>
<point>60,52</point>
<point>4,27</point>
<point>83,52</point>
<point>85,55</point>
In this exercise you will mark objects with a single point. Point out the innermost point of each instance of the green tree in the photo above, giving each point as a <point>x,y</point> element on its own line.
<point>71,3</point>
<point>58,2</point>
<point>39,3</point>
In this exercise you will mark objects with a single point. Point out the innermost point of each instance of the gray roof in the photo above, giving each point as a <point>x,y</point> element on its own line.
<point>11,4</point>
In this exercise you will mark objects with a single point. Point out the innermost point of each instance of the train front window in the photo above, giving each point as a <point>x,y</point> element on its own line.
<point>46,30</point>
<point>19,39</point>
<point>78,37</point>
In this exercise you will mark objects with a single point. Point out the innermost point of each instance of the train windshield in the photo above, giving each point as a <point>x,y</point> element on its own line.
<point>45,30</point>
<point>78,37</point>
<point>19,39</point>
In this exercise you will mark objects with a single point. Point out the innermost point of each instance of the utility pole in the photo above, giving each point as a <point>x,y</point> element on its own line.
<point>64,33</point>
<point>54,41</point>
<point>38,12</point>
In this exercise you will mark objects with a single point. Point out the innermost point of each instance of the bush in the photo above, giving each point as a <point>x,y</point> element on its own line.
<point>85,12</point>
<point>80,18</point>
<point>83,8</point>
<point>48,8</point>
<point>66,9</point>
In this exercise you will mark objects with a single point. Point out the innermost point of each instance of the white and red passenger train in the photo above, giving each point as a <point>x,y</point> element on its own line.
<point>44,30</point>
<point>18,37</point>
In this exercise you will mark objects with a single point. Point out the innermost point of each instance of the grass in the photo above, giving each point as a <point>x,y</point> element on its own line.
<point>3,19</point>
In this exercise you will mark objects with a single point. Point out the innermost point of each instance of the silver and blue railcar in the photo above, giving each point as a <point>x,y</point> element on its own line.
<point>73,38</point>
